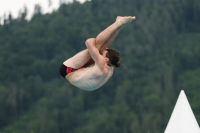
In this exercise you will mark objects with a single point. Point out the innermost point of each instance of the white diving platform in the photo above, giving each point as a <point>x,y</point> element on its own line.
<point>182,119</point>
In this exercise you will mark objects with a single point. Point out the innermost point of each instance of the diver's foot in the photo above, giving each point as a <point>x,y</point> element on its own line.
<point>125,20</point>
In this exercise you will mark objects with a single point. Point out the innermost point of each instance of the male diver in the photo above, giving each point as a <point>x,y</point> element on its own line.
<point>93,67</point>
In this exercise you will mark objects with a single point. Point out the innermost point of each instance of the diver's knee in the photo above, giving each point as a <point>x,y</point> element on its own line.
<point>90,40</point>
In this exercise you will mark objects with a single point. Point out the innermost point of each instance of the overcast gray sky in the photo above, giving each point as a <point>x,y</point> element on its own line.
<point>14,6</point>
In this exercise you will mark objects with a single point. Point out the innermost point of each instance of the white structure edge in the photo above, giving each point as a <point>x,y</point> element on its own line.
<point>182,119</point>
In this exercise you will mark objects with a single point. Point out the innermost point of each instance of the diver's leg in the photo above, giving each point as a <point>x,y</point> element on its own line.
<point>104,39</point>
<point>107,36</point>
<point>79,60</point>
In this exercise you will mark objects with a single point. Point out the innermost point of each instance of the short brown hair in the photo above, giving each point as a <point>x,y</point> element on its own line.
<point>114,57</point>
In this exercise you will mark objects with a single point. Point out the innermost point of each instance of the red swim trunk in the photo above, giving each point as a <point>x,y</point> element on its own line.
<point>64,70</point>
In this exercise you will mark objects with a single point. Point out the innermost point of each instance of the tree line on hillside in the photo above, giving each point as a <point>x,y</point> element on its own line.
<point>159,52</point>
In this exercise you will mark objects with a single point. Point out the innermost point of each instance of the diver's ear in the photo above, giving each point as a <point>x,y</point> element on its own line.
<point>107,59</point>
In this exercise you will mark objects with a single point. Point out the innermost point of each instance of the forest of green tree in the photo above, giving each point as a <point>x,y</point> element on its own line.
<point>160,53</point>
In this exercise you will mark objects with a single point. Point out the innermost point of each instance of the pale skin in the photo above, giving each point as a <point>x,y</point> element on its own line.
<point>94,76</point>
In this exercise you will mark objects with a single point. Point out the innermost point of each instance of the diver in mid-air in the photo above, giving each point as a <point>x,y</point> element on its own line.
<point>93,67</point>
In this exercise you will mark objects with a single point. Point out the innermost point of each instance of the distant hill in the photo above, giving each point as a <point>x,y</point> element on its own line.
<point>160,57</point>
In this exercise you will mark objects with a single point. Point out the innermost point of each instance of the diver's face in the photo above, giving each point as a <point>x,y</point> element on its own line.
<point>104,53</point>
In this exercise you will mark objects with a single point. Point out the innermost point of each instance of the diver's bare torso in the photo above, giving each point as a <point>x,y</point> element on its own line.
<point>90,78</point>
